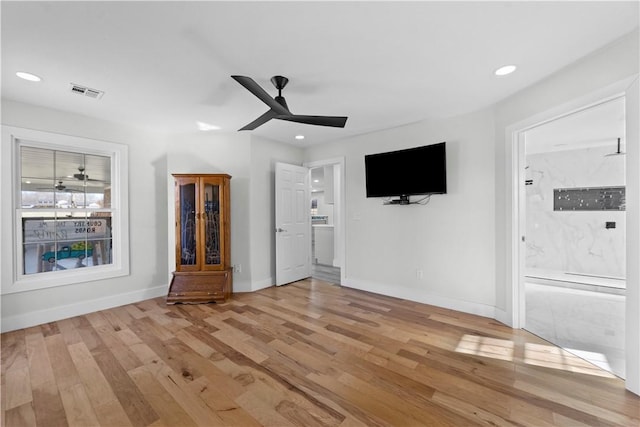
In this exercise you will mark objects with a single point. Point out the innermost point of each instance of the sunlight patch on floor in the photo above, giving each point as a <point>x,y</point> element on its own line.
<point>554,357</point>
<point>487,347</point>
<point>543,355</point>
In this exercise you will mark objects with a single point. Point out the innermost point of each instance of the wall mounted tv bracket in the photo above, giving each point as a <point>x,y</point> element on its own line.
<point>403,200</point>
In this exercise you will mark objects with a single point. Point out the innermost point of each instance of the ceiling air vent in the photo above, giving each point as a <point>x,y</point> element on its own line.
<point>83,90</point>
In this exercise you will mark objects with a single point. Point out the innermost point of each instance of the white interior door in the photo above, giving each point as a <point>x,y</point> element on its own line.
<point>293,224</point>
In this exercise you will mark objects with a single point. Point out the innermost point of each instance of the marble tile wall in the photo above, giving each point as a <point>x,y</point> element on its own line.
<point>575,242</point>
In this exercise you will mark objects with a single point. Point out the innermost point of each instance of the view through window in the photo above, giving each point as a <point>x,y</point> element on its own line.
<point>65,209</point>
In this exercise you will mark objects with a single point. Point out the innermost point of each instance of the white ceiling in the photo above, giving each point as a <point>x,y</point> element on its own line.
<point>167,65</point>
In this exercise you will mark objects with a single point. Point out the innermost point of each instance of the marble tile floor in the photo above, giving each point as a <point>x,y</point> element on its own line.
<point>579,281</point>
<point>586,323</point>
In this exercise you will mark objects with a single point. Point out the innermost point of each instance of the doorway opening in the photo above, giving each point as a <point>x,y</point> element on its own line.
<point>572,212</point>
<point>327,234</point>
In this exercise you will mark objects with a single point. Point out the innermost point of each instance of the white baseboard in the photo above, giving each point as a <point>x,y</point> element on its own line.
<point>240,286</point>
<point>422,297</point>
<point>243,287</point>
<point>261,284</point>
<point>502,317</point>
<point>53,314</point>
<point>34,318</point>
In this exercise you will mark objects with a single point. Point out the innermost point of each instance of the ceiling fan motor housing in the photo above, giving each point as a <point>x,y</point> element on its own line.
<point>280,100</point>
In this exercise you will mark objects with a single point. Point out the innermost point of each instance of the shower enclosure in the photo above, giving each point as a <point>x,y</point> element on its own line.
<point>575,263</point>
<point>576,216</point>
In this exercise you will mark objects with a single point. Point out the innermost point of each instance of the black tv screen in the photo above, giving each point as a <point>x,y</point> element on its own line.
<point>420,170</point>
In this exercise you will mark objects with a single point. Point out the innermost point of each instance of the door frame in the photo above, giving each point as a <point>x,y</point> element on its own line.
<point>519,221</point>
<point>514,150</point>
<point>342,214</point>
<point>516,139</point>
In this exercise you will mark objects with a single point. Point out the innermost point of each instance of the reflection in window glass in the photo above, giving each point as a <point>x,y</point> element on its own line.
<point>64,209</point>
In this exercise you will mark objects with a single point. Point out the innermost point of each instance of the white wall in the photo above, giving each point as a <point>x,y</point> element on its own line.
<point>147,222</point>
<point>264,155</point>
<point>387,245</point>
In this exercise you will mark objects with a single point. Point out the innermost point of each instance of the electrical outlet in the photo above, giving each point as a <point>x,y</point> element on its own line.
<point>237,268</point>
<point>419,274</point>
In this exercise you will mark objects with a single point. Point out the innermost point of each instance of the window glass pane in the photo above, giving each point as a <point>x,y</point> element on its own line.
<point>66,184</point>
<point>96,175</point>
<point>39,237</point>
<point>38,178</point>
<point>102,253</point>
<point>37,163</point>
<point>55,242</point>
<point>67,196</point>
<point>97,169</point>
<point>60,193</point>
<point>99,198</point>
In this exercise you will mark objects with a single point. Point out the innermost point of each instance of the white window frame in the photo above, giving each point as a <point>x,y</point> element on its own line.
<point>11,255</point>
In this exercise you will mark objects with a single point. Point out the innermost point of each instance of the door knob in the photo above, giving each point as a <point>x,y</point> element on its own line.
<point>280,230</point>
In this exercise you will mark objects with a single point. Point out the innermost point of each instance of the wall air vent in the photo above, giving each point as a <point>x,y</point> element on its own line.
<point>83,90</point>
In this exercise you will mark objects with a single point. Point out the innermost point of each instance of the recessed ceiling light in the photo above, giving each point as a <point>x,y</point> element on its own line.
<point>299,136</point>
<point>206,126</point>
<point>316,180</point>
<point>28,76</point>
<point>507,69</point>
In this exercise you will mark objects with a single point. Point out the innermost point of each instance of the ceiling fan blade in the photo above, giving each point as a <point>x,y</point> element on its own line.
<point>85,178</point>
<point>59,189</point>
<point>332,121</point>
<point>260,120</point>
<point>255,89</point>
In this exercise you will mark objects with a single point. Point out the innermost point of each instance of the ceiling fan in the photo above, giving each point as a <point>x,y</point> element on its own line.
<point>82,176</point>
<point>60,187</point>
<point>278,106</point>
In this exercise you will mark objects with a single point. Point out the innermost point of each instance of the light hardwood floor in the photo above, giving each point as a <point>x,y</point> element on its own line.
<point>306,354</point>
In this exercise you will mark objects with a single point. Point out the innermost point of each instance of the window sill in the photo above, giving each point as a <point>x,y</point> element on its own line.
<point>53,279</point>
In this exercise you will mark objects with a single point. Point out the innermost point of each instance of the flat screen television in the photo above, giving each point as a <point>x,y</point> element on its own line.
<point>414,171</point>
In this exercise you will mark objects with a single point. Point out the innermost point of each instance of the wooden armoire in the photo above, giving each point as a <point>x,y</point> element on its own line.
<point>203,251</point>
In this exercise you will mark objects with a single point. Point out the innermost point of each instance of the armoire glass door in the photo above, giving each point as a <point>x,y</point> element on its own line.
<point>188,228</point>
<point>211,218</point>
